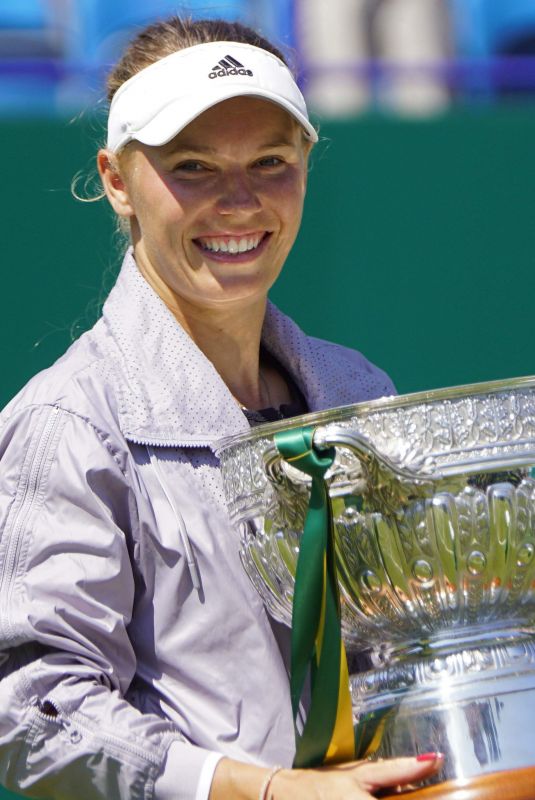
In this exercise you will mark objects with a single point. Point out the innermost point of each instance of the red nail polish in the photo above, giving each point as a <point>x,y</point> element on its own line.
<point>429,756</point>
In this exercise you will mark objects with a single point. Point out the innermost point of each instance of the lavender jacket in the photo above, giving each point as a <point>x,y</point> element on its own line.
<point>108,654</point>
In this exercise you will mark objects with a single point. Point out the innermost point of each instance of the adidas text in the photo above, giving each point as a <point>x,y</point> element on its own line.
<point>222,72</point>
<point>229,66</point>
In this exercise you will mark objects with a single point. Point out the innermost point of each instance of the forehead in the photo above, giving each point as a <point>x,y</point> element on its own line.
<point>250,120</point>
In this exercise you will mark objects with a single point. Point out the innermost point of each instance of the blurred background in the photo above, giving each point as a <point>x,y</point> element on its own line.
<point>418,242</point>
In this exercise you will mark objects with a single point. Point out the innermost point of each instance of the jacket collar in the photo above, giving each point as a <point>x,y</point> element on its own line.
<point>169,392</point>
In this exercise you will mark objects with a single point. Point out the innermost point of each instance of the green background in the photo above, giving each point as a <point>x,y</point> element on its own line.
<point>417,247</point>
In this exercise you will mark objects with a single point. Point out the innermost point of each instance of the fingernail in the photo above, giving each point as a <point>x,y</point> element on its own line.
<point>429,756</point>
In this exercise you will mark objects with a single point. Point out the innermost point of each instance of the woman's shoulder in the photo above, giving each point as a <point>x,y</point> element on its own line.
<point>81,381</point>
<point>356,373</point>
<point>330,374</point>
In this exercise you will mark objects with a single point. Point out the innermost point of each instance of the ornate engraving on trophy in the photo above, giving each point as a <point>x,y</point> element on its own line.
<point>434,524</point>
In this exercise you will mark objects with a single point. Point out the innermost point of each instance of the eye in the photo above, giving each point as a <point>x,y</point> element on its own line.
<point>270,161</point>
<point>190,167</point>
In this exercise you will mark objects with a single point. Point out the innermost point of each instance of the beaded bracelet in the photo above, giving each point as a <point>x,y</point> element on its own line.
<point>267,783</point>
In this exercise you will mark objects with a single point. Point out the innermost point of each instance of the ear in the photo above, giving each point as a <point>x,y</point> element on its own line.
<point>113,183</point>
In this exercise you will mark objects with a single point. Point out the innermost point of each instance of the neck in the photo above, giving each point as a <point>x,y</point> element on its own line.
<point>228,334</point>
<point>230,339</point>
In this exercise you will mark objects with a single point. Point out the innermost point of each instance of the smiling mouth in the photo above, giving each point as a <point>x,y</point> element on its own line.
<point>232,246</point>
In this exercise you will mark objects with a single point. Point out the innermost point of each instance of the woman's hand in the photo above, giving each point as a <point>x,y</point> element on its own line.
<point>356,780</point>
<point>352,781</point>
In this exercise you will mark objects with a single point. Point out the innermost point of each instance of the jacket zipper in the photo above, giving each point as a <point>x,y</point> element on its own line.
<point>75,725</point>
<point>142,753</point>
<point>25,508</point>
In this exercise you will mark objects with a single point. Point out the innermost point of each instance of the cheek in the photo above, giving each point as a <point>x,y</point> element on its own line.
<point>290,197</point>
<point>287,188</point>
<point>156,192</point>
<point>193,195</point>
<point>158,210</point>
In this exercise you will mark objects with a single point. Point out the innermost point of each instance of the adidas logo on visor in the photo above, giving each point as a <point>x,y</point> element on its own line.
<point>228,66</point>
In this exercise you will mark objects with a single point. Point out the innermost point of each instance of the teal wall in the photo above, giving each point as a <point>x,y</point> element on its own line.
<point>417,247</point>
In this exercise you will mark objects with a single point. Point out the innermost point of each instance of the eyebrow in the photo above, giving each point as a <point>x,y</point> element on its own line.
<point>277,143</point>
<point>191,147</point>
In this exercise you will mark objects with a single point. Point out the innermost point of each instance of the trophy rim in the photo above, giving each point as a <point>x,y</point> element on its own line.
<point>339,413</point>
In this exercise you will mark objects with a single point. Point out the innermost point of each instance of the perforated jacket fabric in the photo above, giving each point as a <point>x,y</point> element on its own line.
<point>107,652</point>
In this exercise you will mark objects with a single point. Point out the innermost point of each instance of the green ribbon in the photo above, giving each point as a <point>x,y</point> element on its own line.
<point>316,632</point>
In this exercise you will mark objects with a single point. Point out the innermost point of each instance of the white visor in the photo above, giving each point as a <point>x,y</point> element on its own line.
<point>160,100</point>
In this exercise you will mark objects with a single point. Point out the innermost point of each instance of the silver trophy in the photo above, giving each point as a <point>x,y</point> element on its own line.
<point>433,501</point>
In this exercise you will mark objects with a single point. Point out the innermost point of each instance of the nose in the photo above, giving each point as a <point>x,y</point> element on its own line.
<point>237,193</point>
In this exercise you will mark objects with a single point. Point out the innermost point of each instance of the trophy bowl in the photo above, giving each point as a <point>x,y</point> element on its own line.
<point>433,505</point>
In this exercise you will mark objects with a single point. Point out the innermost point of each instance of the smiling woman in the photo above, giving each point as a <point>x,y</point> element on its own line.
<point>224,200</point>
<point>139,661</point>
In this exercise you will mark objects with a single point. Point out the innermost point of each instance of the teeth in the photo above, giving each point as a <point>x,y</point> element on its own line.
<point>232,246</point>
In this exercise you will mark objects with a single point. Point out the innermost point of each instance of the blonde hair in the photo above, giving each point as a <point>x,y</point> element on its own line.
<point>168,36</point>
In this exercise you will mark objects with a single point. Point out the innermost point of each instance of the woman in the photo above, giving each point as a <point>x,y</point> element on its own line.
<point>138,660</point>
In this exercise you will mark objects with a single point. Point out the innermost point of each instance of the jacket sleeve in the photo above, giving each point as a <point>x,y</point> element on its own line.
<point>66,599</point>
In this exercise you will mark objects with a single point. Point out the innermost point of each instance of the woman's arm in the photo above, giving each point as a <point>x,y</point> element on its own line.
<point>352,781</point>
<point>66,600</point>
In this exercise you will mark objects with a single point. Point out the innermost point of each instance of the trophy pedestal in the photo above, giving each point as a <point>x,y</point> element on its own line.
<point>514,784</point>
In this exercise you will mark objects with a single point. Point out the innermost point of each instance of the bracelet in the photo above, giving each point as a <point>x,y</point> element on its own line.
<point>267,783</point>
